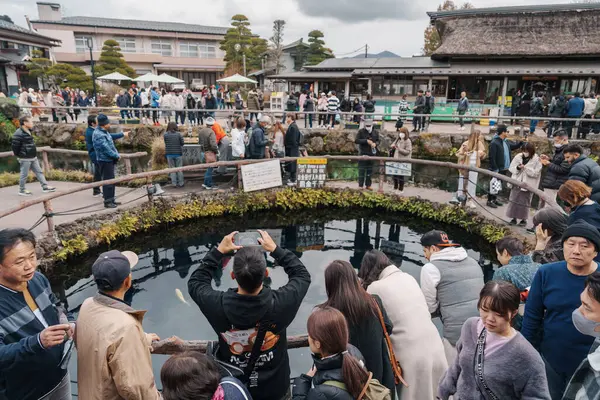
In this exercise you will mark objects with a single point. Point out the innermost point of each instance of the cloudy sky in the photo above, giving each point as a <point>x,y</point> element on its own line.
<point>394,25</point>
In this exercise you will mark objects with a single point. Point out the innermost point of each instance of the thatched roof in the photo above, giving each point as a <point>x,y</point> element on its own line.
<point>544,32</point>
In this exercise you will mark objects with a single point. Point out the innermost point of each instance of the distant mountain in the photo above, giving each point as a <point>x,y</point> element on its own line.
<point>383,54</point>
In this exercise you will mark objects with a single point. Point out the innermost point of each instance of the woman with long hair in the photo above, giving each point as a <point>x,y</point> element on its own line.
<point>402,149</point>
<point>192,375</point>
<point>416,341</point>
<point>526,167</point>
<point>345,294</point>
<point>470,153</point>
<point>506,364</point>
<point>338,371</point>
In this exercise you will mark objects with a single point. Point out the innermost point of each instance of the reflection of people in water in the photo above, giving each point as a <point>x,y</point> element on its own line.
<point>362,242</point>
<point>290,240</point>
<point>182,259</point>
<point>394,235</point>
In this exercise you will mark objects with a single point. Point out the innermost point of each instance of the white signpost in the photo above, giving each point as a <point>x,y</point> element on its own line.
<point>396,168</point>
<point>261,176</point>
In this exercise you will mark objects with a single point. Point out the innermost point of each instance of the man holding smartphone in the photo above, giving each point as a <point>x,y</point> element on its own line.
<point>238,315</point>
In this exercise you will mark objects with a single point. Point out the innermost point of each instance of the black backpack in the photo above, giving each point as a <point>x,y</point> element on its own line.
<point>369,106</point>
<point>292,104</point>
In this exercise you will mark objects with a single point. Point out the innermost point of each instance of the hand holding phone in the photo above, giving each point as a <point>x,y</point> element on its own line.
<point>247,239</point>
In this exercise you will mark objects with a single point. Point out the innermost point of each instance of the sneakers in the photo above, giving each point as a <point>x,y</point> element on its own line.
<point>491,204</point>
<point>49,189</point>
<point>369,188</point>
<point>24,193</point>
<point>499,204</point>
<point>110,205</point>
<point>513,221</point>
<point>208,187</point>
<point>97,194</point>
<point>523,223</point>
<point>291,184</point>
<point>454,200</point>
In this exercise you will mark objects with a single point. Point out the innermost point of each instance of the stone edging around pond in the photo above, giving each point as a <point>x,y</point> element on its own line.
<point>76,238</point>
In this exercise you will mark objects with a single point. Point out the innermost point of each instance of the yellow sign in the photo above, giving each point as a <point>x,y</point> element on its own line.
<point>312,161</point>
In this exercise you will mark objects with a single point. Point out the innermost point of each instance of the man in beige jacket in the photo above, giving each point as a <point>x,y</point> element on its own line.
<point>113,352</point>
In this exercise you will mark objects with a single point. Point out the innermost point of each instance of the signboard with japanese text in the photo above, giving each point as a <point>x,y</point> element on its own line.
<point>310,237</point>
<point>261,176</point>
<point>396,168</point>
<point>311,172</point>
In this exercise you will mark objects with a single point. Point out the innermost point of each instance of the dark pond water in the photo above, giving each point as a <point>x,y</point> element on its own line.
<point>168,257</point>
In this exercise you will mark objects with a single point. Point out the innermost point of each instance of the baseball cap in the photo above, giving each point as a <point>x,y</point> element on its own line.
<point>112,268</point>
<point>501,129</point>
<point>210,121</point>
<point>437,238</point>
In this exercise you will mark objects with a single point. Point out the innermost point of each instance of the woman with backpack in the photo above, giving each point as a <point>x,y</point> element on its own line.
<point>369,106</point>
<point>192,375</point>
<point>361,310</point>
<point>338,372</point>
<point>494,360</point>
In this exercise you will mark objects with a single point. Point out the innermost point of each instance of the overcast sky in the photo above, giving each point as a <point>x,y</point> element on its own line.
<point>394,25</point>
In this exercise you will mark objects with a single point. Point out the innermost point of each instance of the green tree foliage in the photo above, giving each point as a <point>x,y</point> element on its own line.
<point>111,60</point>
<point>38,66</point>
<point>63,75</point>
<point>317,52</point>
<point>432,36</point>
<point>276,45</point>
<point>249,44</point>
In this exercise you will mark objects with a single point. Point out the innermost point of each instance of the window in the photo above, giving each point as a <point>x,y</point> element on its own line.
<point>392,85</point>
<point>195,50</point>
<point>571,86</point>
<point>127,44</point>
<point>162,47</point>
<point>81,44</point>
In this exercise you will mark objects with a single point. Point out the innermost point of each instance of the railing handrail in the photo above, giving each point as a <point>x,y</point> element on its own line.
<point>171,346</point>
<point>150,174</point>
<point>49,149</point>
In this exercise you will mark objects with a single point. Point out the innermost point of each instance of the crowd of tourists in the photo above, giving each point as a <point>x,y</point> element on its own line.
<point>74,103</point>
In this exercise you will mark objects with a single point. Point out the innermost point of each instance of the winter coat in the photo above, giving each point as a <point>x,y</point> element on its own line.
<point>89,141</point>
<point>463,104</point>
<point>145,98</point>
<point>590,106</point>
<point>123,101</point>
<point>253,103</point>
<point>309,104</point>
<point>179,102</point>
<point>403,148</point>
<point>233,389</point>
<point>369,106</point>
<point>497,153</point>
<point>137,101</point>
<point>23,145</point>
<point>258,142</point>
<point>429,105</point>
<point>173,143</point>
<point>586,170</point>
<point>419,105</point>
<point>364,149</point>
<point>530,173</point>
<point>84,101</point>
<point>463,153</point>
<point>293,137</point>
<point>211,103</point>
<point>558,109</point>
<point>416,341</point>
<point>113,352</point>
<point>328,369</point>
<point>536,107</point>
<point>322,104</point>
<point>104,146</point>
<point>558,170</point>
<point>155,99</point>
<point>230,313</point>
<point>190,103</point>
<point>208,140</point>
<point>575,107</point>
<point>168,101</point>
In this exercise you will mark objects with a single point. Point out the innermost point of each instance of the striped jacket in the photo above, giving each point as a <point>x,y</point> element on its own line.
<point>333,104</point>
<point>585,382</point>
<point>28,371</point>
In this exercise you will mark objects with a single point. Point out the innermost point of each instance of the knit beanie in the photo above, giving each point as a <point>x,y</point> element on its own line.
<point>584,230</point>
<point>102,120</point>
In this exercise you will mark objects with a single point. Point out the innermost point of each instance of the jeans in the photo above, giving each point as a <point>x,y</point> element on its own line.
<point>461,120</point>
<point>107,172</point>
<point>155,116</point>
<point>208,176</point>
<point>123,114</point>
<point>365,169</point>
<point>551,126</point>
<point>569,127</point>
<point>532,126</point>
<point>331,118</point>
<point>255,115</point>
<point>176,177</point>
<point>180,116</point>
<point>310,120</point>
<point>97,177</point>
<point>33,165</point>
<point>62,391</point>
<point>418,123</point>
<point>224,147</point>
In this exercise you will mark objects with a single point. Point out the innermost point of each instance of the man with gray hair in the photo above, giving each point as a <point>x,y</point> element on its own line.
<point>258,140</point>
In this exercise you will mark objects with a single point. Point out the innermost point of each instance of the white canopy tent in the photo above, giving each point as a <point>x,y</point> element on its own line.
<point>164,78</point>
<point>149,77</point>
<point>115,76</point>
<point>237,78</point>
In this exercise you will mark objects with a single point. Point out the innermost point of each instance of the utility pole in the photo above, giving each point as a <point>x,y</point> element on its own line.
<point>90,44</point>
<point>244,58</point>
<point>366,51</point>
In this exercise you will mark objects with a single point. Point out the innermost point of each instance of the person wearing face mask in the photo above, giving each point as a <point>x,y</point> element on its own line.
<point>402,149</point>
<point>498,351</point>
<point>558,167</point>
<point>585,382</point>
<point>553,296</point>
<point>526,167</point>
<point>367,140</point>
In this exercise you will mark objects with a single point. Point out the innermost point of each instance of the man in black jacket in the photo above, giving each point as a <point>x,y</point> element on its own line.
<point>23,147</point>
<point>558,167</point>
<point>236,314</point>
<point>292,142</point>
<point>583,169</point>
<point>367,140</point>
<point>258,140</point>
<point>500,149</point>
<point>418,109</point>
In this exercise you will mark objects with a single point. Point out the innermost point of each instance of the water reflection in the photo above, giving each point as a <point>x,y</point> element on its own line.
<point>167,258</point>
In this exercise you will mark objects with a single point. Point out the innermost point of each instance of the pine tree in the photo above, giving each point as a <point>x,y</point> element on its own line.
<point>111,60</point>
<point>249,44</point>
<point>38,66</point>
<point>63,75</point>
<point>316,48</point>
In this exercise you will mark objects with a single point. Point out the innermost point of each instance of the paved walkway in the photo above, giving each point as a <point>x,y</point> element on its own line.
<point>83,204</point>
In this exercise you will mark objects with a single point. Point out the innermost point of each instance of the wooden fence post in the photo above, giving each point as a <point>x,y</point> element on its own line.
<point>381,175</point>
<point>239,172</point>
<point>49,217</point>
<point>128,166</point>
<point>45,162</point>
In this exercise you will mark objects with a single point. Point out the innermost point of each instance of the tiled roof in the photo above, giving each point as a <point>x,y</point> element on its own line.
<point>16,28</point>
<point>138,24</point>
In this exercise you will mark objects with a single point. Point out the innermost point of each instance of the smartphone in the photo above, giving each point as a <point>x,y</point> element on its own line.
<point>247,239</point>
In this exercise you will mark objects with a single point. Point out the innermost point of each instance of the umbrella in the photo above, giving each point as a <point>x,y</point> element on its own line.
<point>164,78</point>
<point>115,76</point>
<point>149,77</point>
<point>237,78</point>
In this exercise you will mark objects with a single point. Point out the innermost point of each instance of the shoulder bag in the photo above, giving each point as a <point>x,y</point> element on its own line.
<point>478,368</point>
<point>396,368</point>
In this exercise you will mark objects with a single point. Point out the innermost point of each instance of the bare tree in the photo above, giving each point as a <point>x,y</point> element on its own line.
<point>276,45</point>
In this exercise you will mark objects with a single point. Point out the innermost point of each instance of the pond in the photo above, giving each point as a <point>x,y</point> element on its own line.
<point>168,257</point>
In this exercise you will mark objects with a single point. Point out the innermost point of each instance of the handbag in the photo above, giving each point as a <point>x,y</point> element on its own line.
<point>478,368</point>
<point>396,368</point>
<point>495,186</point>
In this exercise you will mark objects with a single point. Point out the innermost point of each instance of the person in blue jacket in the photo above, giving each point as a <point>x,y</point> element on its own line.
<point>553,297</point>
<point>106,158</point>
<point>575,108</point>
<point>89,144</point>
<point>35,332</point>
<point>154,103</point>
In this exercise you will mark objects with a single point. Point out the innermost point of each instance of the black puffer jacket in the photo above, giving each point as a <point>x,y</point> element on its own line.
<point>23,145</point>
<point>586,170</point>
<point>558,170</point>
<point>329,369</point>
